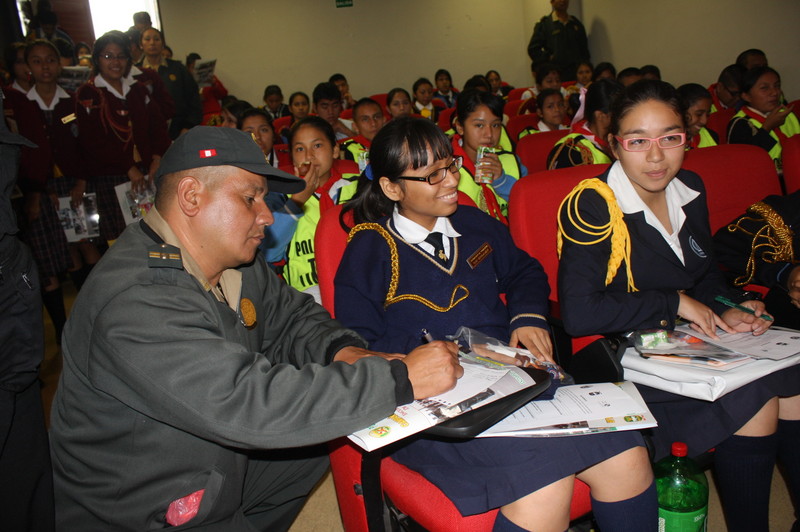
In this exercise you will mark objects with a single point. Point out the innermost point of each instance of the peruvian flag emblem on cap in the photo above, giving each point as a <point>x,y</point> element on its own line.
<point>208,153</point>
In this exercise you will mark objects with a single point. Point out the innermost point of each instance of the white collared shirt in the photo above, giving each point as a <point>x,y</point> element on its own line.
<point>99,81</point>
<point>60,94</point>
<point>541,126</point>
<point>629,202</point>
<point>413,233</point>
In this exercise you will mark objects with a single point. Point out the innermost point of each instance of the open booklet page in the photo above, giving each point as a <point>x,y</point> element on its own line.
<point>774,344</point>
<point>678,347</point>
<point>483,382</point>
<point>579,409</point>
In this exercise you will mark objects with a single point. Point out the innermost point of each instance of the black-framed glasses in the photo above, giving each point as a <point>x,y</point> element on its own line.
<point>673,140</point>
<point>437,176</point>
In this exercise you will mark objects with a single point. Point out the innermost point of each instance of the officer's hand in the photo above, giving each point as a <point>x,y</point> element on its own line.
<point>351,355</point>
<point>433,368</point>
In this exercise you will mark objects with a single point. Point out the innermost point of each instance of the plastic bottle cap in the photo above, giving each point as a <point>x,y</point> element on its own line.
<point>679,449</point>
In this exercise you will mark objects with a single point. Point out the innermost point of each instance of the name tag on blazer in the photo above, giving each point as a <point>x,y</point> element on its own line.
<point>480,255</point>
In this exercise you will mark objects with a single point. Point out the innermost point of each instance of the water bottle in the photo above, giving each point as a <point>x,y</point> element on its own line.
<point>682,493</point>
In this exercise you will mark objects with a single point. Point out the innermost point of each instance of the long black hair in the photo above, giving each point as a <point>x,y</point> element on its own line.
<point>403,143</point>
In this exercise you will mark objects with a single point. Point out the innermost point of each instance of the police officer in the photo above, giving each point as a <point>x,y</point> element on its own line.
<point>196,384</point>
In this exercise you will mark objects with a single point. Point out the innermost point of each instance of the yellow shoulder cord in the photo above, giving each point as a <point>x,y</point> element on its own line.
<point>615,228</point>
<point>391,296</point>
<point>774,238</point>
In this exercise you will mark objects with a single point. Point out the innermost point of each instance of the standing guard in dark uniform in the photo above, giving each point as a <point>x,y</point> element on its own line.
<point>26,481</point>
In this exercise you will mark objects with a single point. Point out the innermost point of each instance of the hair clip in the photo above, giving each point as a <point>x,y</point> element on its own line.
<point>368,172</point>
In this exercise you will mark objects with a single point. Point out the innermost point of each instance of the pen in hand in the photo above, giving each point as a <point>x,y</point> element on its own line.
<point>727,302</point>
<point>426,336</point>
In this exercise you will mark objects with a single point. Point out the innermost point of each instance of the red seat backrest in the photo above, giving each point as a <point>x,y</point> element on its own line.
<point>791,163</point>
<point>516,94</point>
<point>284,157</point>
<point>445,118</point>
<point>718,122</point>
<point>511,108</point>
<point>533,213</point>
<point>533,149</point>
<point>735,176</point>
<point>347,114</point>
<point>517,123</point>
<point>280,123</point>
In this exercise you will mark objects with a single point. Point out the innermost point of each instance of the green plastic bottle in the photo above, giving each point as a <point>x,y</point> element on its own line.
<point>682,493</point>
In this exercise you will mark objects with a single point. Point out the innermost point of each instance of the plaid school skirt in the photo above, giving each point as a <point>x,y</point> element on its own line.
<point>47,241</point>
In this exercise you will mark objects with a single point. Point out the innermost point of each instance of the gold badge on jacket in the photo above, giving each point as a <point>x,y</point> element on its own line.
<point>248,312</point>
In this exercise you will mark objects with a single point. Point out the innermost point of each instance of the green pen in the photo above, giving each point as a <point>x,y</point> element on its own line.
<point>725,301</point>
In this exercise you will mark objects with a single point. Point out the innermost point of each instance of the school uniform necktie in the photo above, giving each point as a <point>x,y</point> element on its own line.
<point>435,240</point>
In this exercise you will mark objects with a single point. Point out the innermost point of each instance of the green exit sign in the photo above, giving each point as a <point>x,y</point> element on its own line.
<point>344,3</point>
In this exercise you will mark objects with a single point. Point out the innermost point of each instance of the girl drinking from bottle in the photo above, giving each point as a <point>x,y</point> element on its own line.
<point>488,173</point>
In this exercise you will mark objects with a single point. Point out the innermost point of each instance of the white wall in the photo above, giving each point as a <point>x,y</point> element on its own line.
<point>377,44</point>
<point>691,40</point>
<point>380,44</point>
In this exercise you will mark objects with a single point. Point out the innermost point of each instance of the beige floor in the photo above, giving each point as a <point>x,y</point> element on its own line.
<point>321,512</point>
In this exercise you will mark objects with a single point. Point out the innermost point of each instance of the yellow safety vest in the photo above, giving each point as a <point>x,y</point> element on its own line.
<point>301,268</point>
<point>468,186</point>
<point>587,147</point>
<point>790,127</point>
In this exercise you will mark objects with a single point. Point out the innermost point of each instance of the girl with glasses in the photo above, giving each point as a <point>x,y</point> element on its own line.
<point>452,263</point>
<point>121,131</point>
<point>636,252</point>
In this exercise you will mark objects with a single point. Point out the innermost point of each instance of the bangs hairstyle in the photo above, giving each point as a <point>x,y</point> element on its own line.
<point>751,77</point>
<point>112,37</point>
<point>642,91</point>
<point>316,122</point>
<point>469,100</point>
<point>401,144</point>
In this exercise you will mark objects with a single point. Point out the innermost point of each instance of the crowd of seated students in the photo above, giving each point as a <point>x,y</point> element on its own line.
<point>114,129</point>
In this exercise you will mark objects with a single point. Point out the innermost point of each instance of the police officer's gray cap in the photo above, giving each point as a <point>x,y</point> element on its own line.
<point>217,146</point>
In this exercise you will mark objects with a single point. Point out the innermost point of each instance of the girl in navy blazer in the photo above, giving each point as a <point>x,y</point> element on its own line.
<point>656,263</point>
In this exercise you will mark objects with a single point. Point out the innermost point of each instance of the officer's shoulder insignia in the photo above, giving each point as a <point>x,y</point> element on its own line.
<point>164,256</point>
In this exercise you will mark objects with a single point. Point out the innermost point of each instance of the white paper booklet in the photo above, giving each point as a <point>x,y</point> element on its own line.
<point>579,409</point>
<point>775,344</point>
<point>484,381</point>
